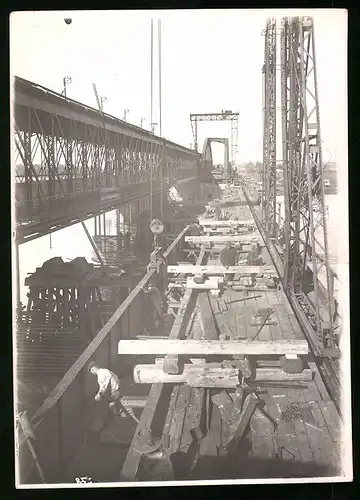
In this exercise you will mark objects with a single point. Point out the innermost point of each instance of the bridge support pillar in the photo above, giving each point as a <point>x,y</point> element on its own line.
<point>99,221</point>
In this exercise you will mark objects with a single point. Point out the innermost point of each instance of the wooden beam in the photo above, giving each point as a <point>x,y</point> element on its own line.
<point>225,223</point>
<point>261,289</point>
<point>171,361</point>
<point>242,238</point>
<point>177,418</point>
<point>215,249</point>
<point>133,457</point>
<point>192,375</point>
<point>211,269</point>
<point>275,374</point>
<point>207,323</point>
<point>212,347</point>
<point>198,333</point>
<point>165,437</point>
<point>207,317</point>
<point>133,401</point>
<point>92,243</point>
<point>189,283</point>
<point>227,230</point>
<point>212,283</point>
<point>247,411</point>
<point>142,337</point>
<point>230,410</point>
<point>28,432</point>
<point>198,413</point>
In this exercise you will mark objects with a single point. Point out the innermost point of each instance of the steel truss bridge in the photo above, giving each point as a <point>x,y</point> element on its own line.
<point>73,161</point>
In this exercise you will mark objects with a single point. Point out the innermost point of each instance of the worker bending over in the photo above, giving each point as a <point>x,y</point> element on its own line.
<point>194,230</point>
<point>109,390</point>
<point>228,257</point>
<point>154,309</point>
<point>254,258</point>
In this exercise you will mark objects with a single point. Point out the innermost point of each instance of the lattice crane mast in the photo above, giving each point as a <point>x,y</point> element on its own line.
<point>305,226</point>
<point>99,103</point>
<point>269,137</point>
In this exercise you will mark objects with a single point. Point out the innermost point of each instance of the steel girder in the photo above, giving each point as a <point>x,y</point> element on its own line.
<point>216,117</point>
<point>207,157</point>
<point>67,150</point>
<point>269,137</point>
<point>305,226</point>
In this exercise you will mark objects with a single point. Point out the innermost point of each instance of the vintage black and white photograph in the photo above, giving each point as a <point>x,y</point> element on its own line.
<point>180,247</point>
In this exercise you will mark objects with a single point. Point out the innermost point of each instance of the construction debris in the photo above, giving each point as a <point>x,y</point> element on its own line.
<point>291,412</point>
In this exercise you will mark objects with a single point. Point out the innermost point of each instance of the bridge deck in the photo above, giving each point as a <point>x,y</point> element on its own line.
<point>308,445</point>
<point>298,433</point>
<point>240,313</point>
<point>302,437</point>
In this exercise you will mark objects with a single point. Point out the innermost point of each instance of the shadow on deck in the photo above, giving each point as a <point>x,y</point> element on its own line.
<point>257,468</point>
<point>235,467</point>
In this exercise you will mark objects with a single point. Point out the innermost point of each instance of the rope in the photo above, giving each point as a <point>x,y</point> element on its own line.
<point>151,189</point>
<point>162,182</point>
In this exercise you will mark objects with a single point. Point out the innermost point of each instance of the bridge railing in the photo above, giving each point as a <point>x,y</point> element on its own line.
<point>63,204</point>
<point>54,208</point>
<point>60,424</point>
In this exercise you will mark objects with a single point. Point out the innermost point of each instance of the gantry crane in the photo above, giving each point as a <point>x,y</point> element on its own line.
<point>269,137</point>
<point>225,115</point>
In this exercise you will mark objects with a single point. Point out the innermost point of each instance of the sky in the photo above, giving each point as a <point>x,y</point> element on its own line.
<point>211,60</point>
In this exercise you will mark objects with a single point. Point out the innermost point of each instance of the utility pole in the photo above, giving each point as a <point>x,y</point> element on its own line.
<point>102,100</point>
<point>151,72</point>
<point>159,56</point>
<point>98,100</point>
<point>66,81</point>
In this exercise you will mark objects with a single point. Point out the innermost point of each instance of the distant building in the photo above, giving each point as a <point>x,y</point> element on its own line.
<point>330,178</point>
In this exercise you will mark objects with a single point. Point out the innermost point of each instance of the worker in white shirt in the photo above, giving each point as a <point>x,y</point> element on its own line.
<point>109,386</point>
<point>109,389</point>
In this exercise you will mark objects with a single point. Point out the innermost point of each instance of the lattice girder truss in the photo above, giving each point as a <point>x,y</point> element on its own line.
<point>269,137</point>
<point>62,158</point>
<point>305,226</point>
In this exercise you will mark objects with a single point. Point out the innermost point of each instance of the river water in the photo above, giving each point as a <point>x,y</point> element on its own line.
<point>337,232</point>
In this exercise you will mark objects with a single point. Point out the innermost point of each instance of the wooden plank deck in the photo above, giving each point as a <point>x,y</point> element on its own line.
<point>307,438</point>
<point>240,316</point>
<point>298,431</point>
<point>307,445</point>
